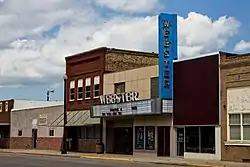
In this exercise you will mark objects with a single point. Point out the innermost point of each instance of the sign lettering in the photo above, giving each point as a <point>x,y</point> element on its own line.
<point>119,98</point>
<point>167,25</point>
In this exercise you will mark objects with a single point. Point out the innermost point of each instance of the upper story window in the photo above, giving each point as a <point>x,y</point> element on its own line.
<point>120,87</point>
<point>1,106</point>
<point>80,89</point>
<point>87,88</point>
<point>96,86</point>
<point>6,106</point>
<point>72,91</point>
<point>51,132</point>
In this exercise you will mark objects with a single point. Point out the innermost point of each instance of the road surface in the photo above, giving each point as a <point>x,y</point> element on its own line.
<point>19,160</point>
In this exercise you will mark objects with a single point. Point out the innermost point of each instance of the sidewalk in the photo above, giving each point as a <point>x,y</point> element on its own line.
<point>137,158</point>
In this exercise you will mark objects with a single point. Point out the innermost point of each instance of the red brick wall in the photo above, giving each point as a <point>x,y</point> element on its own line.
<point>20,143</point>
<point>49,143</point>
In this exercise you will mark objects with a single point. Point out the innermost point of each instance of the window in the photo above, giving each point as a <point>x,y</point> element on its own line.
<point>154,82</point>
<point>1,106</point>
<point>96,86</point>
<point>90,132</point>
<point>20,132</point>
<point>72,91</point>
<point>239,127</point>
<point>51,132</point>
<point>200,139</point>
<point>120,87</point>
<point>87,88</point>
<point>80,89</point>
<point>6,106</point>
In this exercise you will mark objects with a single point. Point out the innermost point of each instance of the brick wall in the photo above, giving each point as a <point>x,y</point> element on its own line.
<point>120,60</point>
<point>235,72</point>
<point>49,143</point>
<point>87,146</point>
<point>20,143</point>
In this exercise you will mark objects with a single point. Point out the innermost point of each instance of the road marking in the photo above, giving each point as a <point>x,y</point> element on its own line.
<point>107,158</point>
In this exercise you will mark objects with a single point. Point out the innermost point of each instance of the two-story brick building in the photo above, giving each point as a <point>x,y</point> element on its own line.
<point>235,107</point>
<point>85,84</point>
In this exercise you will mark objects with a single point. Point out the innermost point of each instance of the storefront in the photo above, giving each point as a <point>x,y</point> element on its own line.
<point>133,126</point>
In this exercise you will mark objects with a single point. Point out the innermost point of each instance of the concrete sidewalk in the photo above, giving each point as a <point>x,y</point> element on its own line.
<point>137,158</point>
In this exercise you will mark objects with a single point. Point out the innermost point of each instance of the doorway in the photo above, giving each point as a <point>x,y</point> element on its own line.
<point>34,138</point>
<point>180,141</point>
<point>123,140</point>
<point>163,141</point>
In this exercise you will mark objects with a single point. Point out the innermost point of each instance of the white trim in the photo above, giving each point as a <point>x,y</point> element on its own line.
<point>236,143</point>
<point>87,82</point>
<point>80,83</point>
<point>197,57</point>
<point>72,84</point>
<point>96,80</point>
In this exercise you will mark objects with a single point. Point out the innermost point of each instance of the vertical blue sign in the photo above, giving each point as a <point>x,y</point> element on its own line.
<point>167,48</point>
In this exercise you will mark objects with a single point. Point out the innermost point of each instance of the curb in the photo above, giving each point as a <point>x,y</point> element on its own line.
<point>186,164</point>
<point>41,154</point>
<point>108,158</point>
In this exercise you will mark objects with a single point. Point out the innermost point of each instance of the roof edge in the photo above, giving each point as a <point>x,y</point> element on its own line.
<point>197,57</point>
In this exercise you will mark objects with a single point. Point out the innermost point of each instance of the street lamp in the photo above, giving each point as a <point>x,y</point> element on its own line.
<point>48,92</point>
<point>64,146</point>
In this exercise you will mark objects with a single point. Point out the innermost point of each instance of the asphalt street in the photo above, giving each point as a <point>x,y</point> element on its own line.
<point>18,160</point>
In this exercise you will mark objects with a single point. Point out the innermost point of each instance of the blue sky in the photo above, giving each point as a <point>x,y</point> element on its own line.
<point>34,51</point>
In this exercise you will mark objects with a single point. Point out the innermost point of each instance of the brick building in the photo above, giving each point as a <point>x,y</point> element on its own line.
<point>34,127</point>
<point>85,84</point>
<point>235,107</point>
<point>5,111</point>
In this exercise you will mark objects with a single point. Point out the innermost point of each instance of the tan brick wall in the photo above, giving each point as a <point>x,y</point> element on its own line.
<point>235,72</point>
<point>120,60</point>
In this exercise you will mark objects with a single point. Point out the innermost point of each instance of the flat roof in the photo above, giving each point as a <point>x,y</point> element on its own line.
<point>197,57</point>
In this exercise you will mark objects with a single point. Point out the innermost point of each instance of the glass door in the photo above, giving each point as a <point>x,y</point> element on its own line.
<point>180,141</point>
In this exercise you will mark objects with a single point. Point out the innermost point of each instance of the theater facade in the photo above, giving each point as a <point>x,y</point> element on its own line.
<point>136,121</point>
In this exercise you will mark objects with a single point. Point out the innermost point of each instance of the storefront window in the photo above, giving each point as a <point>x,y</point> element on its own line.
<point>207,134</point>
<point>90,132</point>
<point>192,139</point>
<point>150,137</point>
<point>200,139</point>
<point>139,137</point>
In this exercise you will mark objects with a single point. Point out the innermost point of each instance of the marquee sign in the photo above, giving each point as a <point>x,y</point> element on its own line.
<point>167,47</point>
<point>119,98</point>
<point>140,107</point>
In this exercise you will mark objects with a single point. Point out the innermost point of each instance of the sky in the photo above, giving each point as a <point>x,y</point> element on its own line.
<point>35,36</point>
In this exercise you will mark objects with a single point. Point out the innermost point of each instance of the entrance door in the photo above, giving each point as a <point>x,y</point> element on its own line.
<point>123,140</point>
<point>34,138</point>
<point>163,137</point>
<point>180,141</point>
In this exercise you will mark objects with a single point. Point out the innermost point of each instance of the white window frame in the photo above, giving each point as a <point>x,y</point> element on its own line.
<point>87,83</point>
<point>53,132</point>
<point>72,86</point>
<point>1,106</point>
<point>241,127</point>
<point>96,82</point>
<point>79,85</point>
<point>6,106</point>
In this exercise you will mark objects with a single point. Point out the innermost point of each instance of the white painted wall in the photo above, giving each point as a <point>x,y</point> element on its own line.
<point>29,104</point>
<point>22,120</point>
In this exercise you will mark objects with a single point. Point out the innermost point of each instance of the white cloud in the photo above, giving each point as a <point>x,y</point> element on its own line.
<point>242,46</point>
<point>132,6</point>
<point>37,59</point>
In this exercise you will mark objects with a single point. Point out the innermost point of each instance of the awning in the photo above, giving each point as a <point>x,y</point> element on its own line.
<point>76,118</point>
